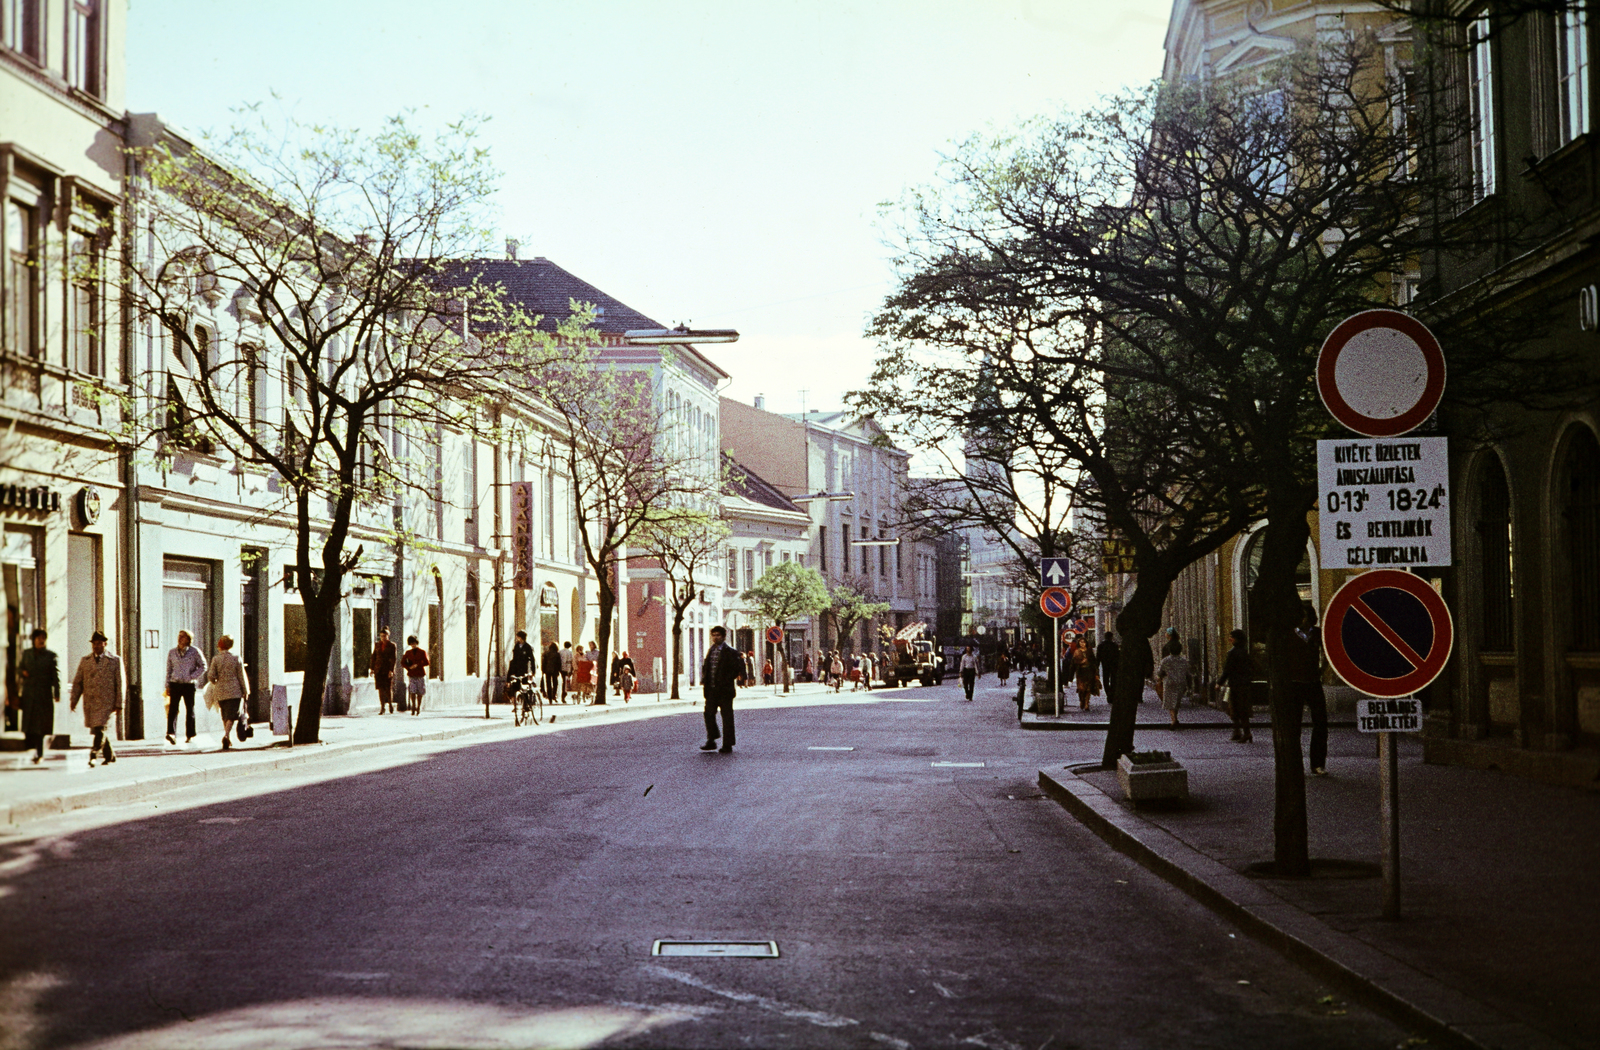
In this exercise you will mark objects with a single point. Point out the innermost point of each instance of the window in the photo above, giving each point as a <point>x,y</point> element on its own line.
<point>1582,520</point>
<point>822,546</point>
<point>733,569</point>
<point>294,637</point>
<point>1494,540</point>
<point>766,562</point>
<point>785,557</point>
<point>83,46</point>
<point>749,569</point>
<point>844,546</point>
<point>1480,103</point>
<point>22,290</point>
<point>469,495</point>
<point>204,359</point>
<point>86,336</point>
<point>1572,71</point>
<point>251,356</point>
<point>19,24</point>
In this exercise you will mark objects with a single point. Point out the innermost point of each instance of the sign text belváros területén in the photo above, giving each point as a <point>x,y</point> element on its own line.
<point>1385,502</point>
<point>1401,715</point>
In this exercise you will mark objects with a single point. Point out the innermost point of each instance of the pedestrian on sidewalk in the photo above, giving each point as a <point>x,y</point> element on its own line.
<point>1307,685</point>
<point>627,675</point>
<point>866,670</point>
<point>185,667</point>
<point>41,688</point>
<point>582,667</point>
<point>1173,677</point>
<point>1110,653</point>
<point>415,662</point>
<point>1002,667</point>
<point>719,675</point>
<point>1237,674</point>
<point>969,669</point>
<point>383,655</point>
<point>567,658</point>
<point>99,684</point>
<point>836,671</point>
<point>226,674</point>
<point>550,672</point>
<point>1084,677</point>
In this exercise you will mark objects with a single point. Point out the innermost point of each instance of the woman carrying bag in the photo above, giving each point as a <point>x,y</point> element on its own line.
<point>227,686</point>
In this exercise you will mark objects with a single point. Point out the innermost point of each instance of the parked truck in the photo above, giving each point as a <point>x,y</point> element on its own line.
<point>915,659</point>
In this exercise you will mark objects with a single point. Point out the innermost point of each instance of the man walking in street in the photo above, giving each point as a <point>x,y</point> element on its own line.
<point>969,669</point>
<point>719,675</point>
<point>185,667</point>
<point>98,684</point>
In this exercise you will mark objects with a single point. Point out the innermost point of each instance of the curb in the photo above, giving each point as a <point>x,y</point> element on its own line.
<point>1030,721</point>
<point>1411,997</point>
<point>18,813</point>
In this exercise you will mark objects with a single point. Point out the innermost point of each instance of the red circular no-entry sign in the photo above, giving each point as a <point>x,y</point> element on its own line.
<point>1055,602</point>
<point>1387,633</point>
<point>775,635</point>
<point>1381,373</point>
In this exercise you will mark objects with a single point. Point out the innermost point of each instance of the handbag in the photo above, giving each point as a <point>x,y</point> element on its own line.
<point>1225,697</point>
<point>210,695</point>
<point>243,727</point>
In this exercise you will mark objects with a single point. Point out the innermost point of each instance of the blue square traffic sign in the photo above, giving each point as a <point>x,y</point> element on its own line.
<point>1055,572</point>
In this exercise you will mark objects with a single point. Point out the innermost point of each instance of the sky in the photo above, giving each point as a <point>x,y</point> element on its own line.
<point>719,164</point>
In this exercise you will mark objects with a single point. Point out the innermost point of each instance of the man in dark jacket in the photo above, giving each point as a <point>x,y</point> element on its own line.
<point>41,688</point>
<point>1110,653</point>
<point>719,676</point>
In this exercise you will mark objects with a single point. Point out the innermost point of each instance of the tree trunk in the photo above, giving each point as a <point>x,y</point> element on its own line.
<point>1139,619</point>
<point>1276,604</point>
<point>320,634</point>
<point>602,671</point>
<point>677,650</point>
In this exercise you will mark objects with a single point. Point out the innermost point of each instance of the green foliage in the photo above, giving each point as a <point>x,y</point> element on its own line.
<point>787,591</point>
<point>849,607</point>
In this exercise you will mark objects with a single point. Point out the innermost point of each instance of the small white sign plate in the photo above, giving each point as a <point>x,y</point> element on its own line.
<point>1403,714</point>
<point>1384,502</point>
<point>960,765</point>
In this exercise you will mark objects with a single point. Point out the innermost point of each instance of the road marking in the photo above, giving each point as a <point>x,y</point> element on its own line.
<point>957,765</point>
<point>777,1006</point>
<point>830,749</point>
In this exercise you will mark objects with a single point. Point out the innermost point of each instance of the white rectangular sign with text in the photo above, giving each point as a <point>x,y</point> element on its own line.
<point>1384,502</point>
<point>1400,715</point>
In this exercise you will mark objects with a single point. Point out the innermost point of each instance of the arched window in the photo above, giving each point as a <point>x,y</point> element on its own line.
<point>1494,547</point>
<point>1250,567</point>
<point>1580,492</point>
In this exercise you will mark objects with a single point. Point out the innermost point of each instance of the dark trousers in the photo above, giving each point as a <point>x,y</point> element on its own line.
<point>33,742</point>
<point>1239,705</point>
<point>552,685</point>
<point>725,705</point>
<point>969,678</point>
<point>1310,695</point>
<point>177,691</point>
<point>101,739</point>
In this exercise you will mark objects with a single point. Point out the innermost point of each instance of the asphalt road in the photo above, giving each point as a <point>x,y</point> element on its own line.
<point>507,893</point>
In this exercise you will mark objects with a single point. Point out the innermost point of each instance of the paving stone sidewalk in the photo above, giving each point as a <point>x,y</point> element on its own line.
<point>1497,944</point>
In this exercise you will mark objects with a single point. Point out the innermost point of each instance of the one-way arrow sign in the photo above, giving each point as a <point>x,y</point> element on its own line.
<point>1055,572</point>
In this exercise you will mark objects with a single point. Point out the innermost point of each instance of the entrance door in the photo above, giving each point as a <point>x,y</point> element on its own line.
<point>186,601</point>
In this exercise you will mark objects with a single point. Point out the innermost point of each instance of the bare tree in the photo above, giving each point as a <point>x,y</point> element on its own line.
<point>336,253</point>
<point>683,543</point>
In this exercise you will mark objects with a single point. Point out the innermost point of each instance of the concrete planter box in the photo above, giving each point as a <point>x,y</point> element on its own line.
<point>1152,781</point>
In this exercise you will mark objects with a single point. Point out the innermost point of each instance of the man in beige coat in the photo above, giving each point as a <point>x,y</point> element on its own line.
<point>99,684</point>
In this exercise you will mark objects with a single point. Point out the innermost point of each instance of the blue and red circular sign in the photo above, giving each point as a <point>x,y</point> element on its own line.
<point>775,635</point>
<point>1381,373</point>
<point>1055,602</point>
<point>1387,633</point>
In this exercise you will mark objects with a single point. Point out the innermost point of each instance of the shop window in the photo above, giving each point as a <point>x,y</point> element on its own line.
<point>1494,547</point>
<point>1581,516</point>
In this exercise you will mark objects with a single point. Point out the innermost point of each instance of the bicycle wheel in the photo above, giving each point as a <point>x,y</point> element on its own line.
<point>519,705</point>
<point>536,706</point>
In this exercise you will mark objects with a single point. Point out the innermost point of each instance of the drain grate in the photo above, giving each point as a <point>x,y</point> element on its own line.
<point>730,949</point>
<point>830,749</point>
<point>958,765</point>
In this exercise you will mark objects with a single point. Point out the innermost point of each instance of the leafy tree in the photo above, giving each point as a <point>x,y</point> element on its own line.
<point>684,542</point>
<point>337,252</point>
<point>785,592</point>
<point>848,606</point>
<point>629,482</point>
<point>1165,269</point>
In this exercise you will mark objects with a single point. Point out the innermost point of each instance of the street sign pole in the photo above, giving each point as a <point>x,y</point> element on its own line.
<point>1389,818</point>
<point>1055,672</point>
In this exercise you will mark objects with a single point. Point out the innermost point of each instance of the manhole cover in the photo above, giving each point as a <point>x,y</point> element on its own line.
<point>732,949</point>
<point>958,765</point>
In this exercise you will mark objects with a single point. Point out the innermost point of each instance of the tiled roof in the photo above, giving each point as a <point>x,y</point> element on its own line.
<point>742,481</point>
<point>541,287</point>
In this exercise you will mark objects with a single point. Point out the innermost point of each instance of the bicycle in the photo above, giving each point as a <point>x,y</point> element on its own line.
<point>527,703</point>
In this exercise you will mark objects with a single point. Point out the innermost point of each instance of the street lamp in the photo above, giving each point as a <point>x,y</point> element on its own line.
<point>681,334</point>
<point>817,497</point>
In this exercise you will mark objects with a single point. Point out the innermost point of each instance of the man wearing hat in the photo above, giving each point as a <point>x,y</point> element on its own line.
<point>99,683</point>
